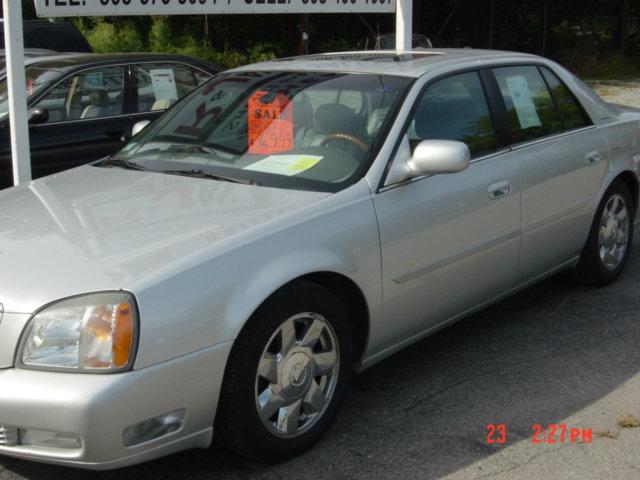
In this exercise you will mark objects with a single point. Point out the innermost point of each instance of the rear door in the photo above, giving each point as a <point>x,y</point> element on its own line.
<point>449,242</point>
<point>88,119</point>
<point>158,86</point>
<point>562,159</point>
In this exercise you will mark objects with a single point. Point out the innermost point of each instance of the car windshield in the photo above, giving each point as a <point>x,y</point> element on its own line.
<point>37,79</point>
<point>303,130</point>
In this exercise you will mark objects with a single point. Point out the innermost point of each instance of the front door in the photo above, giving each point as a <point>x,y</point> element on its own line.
<point>87,120</point>
<point>449,242</point>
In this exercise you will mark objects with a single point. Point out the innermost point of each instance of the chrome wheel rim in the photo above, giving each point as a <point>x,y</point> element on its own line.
<point>614,233</point>
<point>297,375</point>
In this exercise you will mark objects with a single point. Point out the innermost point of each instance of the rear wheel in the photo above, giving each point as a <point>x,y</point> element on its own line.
<point>607,249</point>
<point>286,374</point>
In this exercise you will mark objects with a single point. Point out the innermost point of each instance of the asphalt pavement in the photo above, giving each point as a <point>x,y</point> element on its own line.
<point>556,353</point>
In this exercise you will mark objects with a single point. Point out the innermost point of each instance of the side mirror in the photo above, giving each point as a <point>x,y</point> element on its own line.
<point>438,156</point>
<point>37,115</point>
<point>138,127</point>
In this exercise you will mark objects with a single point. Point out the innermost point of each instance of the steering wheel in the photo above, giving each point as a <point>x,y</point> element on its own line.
<point>358,142</point>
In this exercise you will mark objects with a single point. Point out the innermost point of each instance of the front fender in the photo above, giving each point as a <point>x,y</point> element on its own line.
<point>210,301</point>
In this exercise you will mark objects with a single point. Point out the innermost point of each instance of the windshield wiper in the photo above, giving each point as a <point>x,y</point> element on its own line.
<point>114,162</point>
<point>212,176</point>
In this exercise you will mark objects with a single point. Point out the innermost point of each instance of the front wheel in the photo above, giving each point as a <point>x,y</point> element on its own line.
<point>607,249</point>
<point>286,374</point>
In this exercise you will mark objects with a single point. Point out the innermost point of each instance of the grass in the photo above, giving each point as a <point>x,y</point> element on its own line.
<point>628,421</point>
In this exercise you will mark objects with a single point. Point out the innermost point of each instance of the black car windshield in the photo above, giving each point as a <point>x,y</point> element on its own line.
<point>303,130</point>
<point>37,79</point>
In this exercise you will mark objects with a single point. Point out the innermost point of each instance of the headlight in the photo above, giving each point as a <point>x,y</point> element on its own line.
<point>93,333</point>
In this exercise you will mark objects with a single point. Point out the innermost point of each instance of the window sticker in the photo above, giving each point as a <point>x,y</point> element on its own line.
<point>523,102</point>
<point>288,165</point>
<point>270,123</point>
<point>164,84</point>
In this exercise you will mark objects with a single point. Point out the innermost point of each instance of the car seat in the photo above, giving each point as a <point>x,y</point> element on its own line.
<point>98,105</point>
<point>162,104</point>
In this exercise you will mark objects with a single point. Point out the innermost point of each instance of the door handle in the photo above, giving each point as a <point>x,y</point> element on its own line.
<point>499,190</point>
<point>592,157</point>
<point>116,134</point>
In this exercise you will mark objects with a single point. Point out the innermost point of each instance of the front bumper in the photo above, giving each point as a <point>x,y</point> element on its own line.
<point>98,407</point>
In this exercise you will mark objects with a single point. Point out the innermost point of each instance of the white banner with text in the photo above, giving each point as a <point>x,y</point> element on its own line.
<point>89,8</point>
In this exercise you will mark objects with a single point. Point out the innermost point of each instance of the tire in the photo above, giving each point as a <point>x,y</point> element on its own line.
<point>264,376</point>
<point>595,266</point>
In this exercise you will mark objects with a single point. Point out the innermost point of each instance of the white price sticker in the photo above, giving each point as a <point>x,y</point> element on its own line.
<point>523,102</point>
<point>80,8</point>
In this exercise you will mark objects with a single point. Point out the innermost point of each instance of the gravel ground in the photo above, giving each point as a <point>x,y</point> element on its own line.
<point>620,92</point>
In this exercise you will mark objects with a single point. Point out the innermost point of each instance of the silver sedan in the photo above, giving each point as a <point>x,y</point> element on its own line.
<point>284,225</point>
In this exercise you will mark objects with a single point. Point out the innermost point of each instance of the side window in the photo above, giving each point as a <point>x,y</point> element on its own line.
<point>530,108</point>
<point>571,112</point>
<point>454,108</point>
<point>95,93</point>
<point>160,85</point>
<point>55,101</point>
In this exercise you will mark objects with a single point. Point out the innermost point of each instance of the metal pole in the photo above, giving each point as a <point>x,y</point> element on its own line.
<point>404,25</point>
<point>16,84</point>
<point>492,11</point>
<point>543,27</point>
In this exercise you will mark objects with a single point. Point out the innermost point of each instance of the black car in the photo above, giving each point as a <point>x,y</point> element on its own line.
<point>83,107</point>
<point>57,36</point>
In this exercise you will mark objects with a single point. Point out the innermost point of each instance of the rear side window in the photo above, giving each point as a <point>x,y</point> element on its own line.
<point>571,113</point>
<point>454,108</point>
<point>530,108</point>
<point>160,85</point>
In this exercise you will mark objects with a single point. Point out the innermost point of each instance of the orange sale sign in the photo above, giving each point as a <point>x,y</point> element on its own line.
<point>270,123</point>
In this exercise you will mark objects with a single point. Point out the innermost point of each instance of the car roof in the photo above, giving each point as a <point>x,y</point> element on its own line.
<point>32,59</point>
<point>414,63</point>
<point>72,61</point>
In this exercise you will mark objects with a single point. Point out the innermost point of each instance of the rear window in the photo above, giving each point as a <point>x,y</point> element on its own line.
<point>572,114</point>
<point>530,107</point>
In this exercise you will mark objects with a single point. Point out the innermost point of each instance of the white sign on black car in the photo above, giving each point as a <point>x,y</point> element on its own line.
<point>77,8</point>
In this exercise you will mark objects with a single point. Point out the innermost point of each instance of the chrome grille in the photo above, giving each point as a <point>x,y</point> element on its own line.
<point>8,436</point>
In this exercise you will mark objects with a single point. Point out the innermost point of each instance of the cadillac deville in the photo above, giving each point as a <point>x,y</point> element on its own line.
<point>288,223</point>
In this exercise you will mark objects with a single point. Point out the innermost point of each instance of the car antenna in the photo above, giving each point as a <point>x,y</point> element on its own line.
<point>366,23</point>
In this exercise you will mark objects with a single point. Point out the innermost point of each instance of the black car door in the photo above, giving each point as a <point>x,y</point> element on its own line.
<point>88,117</point>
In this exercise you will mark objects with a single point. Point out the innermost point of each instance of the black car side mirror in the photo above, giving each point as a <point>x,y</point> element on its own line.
<point>37,115</point>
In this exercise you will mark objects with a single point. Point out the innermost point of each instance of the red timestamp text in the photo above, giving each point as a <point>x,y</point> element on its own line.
<point>560,433</point>
<point>552,433</point>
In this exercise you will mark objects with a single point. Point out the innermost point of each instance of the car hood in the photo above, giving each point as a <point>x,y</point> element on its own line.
<point>91,228</point>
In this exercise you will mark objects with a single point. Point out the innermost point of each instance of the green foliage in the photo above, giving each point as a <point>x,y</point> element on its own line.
<point>125,36</point>
<point>160,35</point>
<point>107,37</point>
<point>595,38</point>
<point>262,52</point>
